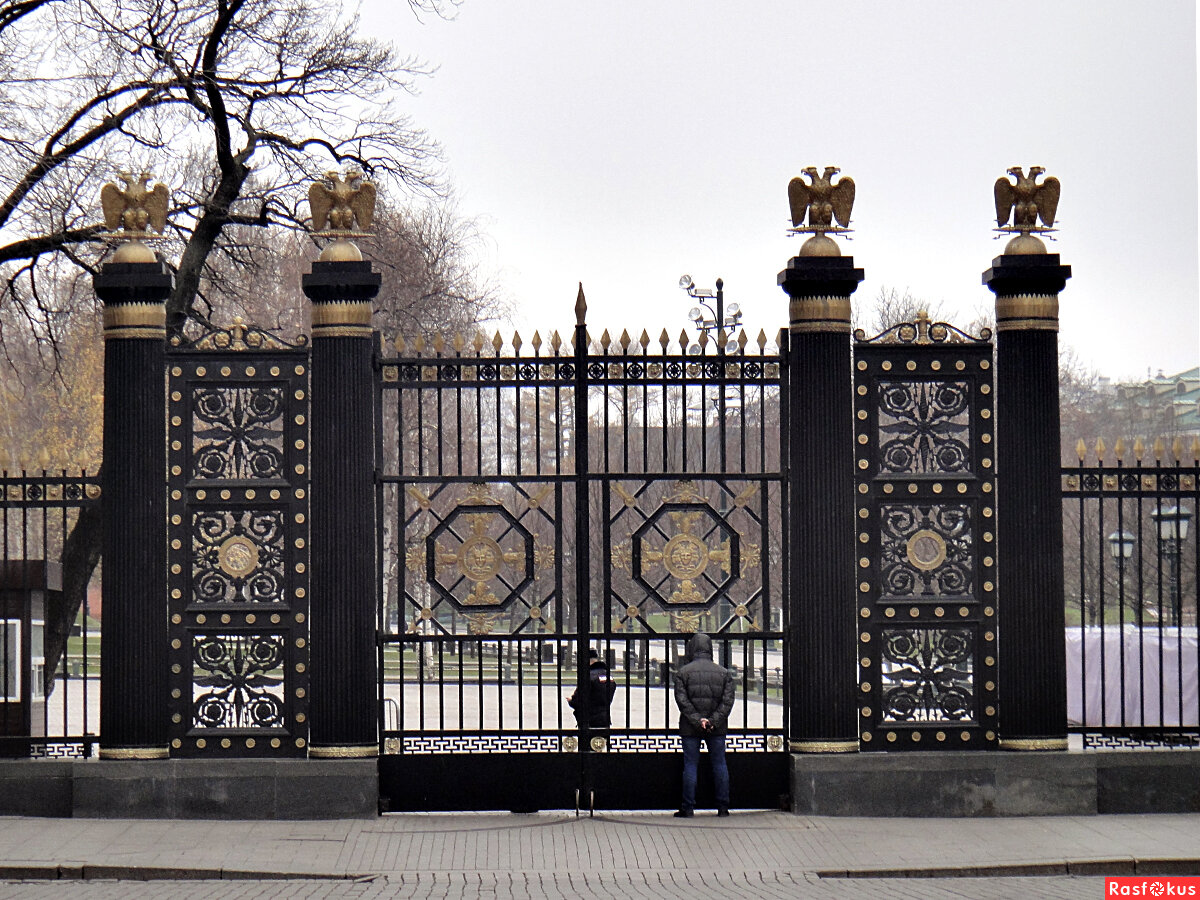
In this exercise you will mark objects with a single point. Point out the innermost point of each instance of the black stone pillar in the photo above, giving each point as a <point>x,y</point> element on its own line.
<point>133,667</point>
<point>821,654</point>
<point>344,702</point>
<point>1029,539</point>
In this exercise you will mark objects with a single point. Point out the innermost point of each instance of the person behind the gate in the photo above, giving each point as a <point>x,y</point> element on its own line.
<point>704,694</point>
<point>592,698</point>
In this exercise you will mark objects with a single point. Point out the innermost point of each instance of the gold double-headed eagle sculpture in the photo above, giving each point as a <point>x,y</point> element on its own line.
<point>130,214</point>
<point>823,202</point>
<point>339,204</point>
<point>1026,201</point>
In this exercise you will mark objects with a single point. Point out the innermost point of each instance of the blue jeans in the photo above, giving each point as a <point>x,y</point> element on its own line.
<point>691,762</point>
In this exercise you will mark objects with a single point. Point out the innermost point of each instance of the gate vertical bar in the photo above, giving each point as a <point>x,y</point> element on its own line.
<point>583,593</point>
<point>1032,655</point>
<point>133,667</point>
<point>820,459</point>
<point>344,703</point>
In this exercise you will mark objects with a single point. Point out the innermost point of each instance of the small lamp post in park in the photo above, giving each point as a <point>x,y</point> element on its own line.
<point>1172,523</point>
<point>1120,546</point>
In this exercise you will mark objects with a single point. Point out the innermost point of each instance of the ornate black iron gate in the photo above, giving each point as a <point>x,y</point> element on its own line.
<point>926,533</point>
<point>614,496</point>
<point>238,557</point>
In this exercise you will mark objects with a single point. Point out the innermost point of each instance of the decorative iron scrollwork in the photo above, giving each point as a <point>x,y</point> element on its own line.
<point>924,427</point>
<point>238,556</point>
<point>927,675</point>
<point>237,432</point>
<point>238,680</point>
<point>927,550</point>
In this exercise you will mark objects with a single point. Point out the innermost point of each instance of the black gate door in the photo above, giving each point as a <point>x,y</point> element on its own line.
<point>927,539</point>
<point>614,496</point>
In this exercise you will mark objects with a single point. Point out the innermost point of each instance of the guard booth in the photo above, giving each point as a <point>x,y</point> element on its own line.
<point>24,588</point>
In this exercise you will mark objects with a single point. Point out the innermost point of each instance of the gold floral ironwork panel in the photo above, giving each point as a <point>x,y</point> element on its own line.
<point>237,432</point>
<point>927,550</point>
<point>927,675</point>
<point>690,548</point>
<point>238,556</point>
<point>479,558</point>
<point>924,427</point>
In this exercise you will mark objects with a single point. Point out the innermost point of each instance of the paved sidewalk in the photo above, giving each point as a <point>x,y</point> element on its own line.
<point>750,854</point>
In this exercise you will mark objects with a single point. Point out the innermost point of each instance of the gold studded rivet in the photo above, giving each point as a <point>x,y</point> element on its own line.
<point>864,586</point>
<point>990,735</point>
<point>988,586</point>
<point>985,364</point>
<point>941,735</point>
<point>864,538</point>
<point>963,611</point>
<point>914,611</point>
<point>916,736</point>
<point>301,593</point>
<point>864,563</point>
<point>865,662</point>
<point>300,717</point>
<point>985,389</point>
<point>300,667</point>
<point>176,593</point>
<point>201,371</point>
<point>988,561</point>
<point>226,743</point>
<point>251,618</point>
<point>986,463</point>
<point>176,568</point>
<point>966,735</point>
<point>888,488</point>
<point>299,395</point>
<point>989,660</point>
<point>249,741</point>
<point>960,365</point>
<point>962,488</point>
<point>986,438</point>
<point>937,488</point>
<point>275,371</point>
<point>865,687</point>
<point>201,743</point>
<point>175,668</point>
<point>988,611</point>
<point>251,494</point>
<point>300,567</point>
<point>176,743</point>
<point>200,495</point>
<point>275,743</point>
<point>936,365</point>
<point>176,619</point>
<point>299,370</point>
<point>176,544</point>
<point>225,619</point>
<point>912,488</point>
<point>865,612</point>
<point>176,718</point>
<point>862,365</point>
<point>176,445</point>
<point>862,463</point>
<point>987,512</point>
<point>989,685</point>
<point>866,736</point>
<point>176,371</point>
<point>891,736</point>
<point>989,636</point>
<point>862,414</point>
<point>989,711</point>
<point>275,619</point>
<point>274,495</point>
<point>176,396</point>
<point>865,637</point>
<point>300,642</point>
<point>299,445</point>
<point>299,493</point>
<point>911,365</point>
<point>862,488</point>
<point>862,438</point>
<point>175,520</point>
<point>300,742</point>
<point>299,543</point>
<point>890,612</point>
<point>201,619</point>
<point>225,495</point>
<point>175,470</point>
<point>985,414</point>
<point>176,693</point>
<point>299,420</point>
<point>862,390</point>
<point>987,487</point>
<point>866,711</point>
<point>299,617</point>
<point>863,513</point>
<point>939,612</point>
<point>225,371</point>
<point>251,371</point>
<point>176,495</point>
<point>886,365</point>
<point>300,693</point>
<point>988,537</point>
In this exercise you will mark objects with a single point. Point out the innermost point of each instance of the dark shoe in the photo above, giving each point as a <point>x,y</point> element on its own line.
<point>684,814</point>
<point>722,812</point>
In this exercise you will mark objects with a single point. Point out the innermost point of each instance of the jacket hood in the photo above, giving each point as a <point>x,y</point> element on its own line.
<point>700,646</point>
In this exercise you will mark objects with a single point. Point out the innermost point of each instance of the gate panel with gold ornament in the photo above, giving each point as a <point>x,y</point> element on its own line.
<point>926,538</point>
<point>238,557</point>
<point>541,500</point>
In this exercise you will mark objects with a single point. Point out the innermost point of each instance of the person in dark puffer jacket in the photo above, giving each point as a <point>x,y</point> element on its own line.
<point>704,694</point>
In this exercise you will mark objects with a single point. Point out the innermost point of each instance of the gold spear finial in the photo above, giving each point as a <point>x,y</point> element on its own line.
<point>1026,201</point>
<point>131,214</point>
<point>823,202</point>
<point>339,203</point>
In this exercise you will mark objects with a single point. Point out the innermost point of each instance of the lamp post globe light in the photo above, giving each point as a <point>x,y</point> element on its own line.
<point>1120,547</point>
<point>1172,525</point>
<point>719,316</point>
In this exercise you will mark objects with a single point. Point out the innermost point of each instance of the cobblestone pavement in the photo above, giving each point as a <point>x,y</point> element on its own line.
<point>551,855</point>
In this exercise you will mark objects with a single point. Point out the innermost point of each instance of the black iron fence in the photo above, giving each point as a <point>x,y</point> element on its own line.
<point>1133,662</point>
<point>49,615</point>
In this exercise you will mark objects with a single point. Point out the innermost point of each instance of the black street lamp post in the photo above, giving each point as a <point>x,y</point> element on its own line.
<point>1172,523</point>
<point>1120,545</point>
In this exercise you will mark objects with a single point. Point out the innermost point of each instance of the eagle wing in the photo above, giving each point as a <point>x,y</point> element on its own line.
<point>362,201</point>
<point>1006,196</point>
<point>841,198</point>
<point>156,204</point>
<point>799,196</point>
<point>1046,198</point>
<point>320,202</point>
<point>112,201</point>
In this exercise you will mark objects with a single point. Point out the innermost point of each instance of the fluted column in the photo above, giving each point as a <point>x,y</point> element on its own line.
<point>343,703</point>
<point>133,666</point>
<point>820,464</point>
<point>1031,655</point>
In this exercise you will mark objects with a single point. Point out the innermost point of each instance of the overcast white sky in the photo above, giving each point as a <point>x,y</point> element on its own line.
<point>623,143</point>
